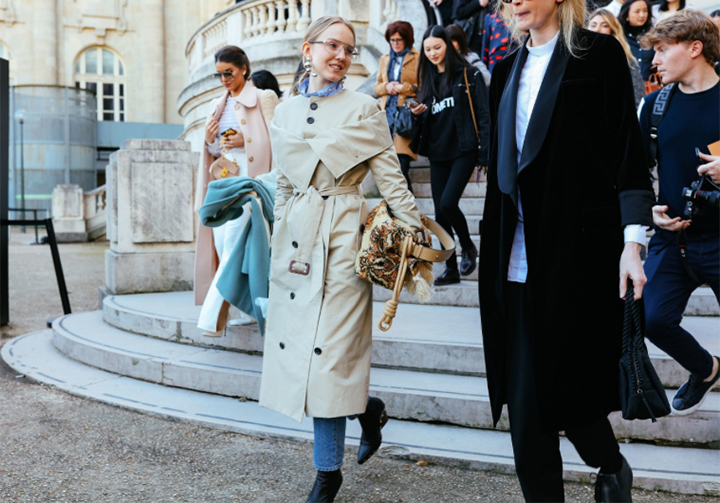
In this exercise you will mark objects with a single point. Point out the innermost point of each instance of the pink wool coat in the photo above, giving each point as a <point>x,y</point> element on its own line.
<point>254,111</point>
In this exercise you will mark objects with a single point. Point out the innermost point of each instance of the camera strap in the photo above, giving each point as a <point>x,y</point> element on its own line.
<point>658,112</point>
<point>682,245</point>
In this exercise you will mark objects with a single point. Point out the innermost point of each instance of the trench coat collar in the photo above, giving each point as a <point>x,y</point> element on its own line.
<point>340,149</point>
<point>508,167</point>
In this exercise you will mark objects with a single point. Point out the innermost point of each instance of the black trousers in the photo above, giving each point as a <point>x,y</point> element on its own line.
<point>405,168</point>
<point>537,449</point>
<point>448,180</point>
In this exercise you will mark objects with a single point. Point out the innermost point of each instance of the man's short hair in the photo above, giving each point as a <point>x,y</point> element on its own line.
<point>688,25</point>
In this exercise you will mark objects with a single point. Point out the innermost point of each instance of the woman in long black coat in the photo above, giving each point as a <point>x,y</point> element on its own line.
<point>553,260</point>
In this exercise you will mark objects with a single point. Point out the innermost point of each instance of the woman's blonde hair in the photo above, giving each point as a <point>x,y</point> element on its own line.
<point>312,33</point>
<point>616,31</point>
<point>570,16</point>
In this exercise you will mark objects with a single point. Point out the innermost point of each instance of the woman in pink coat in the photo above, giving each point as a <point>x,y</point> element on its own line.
<point>246,111</point>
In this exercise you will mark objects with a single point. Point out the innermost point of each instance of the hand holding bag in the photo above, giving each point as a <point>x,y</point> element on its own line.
<point>224,168</point>
<point>391,248</point>
<point>403,124</point>
<point>642,395</point>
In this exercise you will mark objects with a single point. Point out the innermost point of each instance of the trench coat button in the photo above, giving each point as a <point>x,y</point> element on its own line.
<point>294,244</point>
<point>310,120</point>
<point>318,351</point>
<point>249,140</point>
<point>313,106</point>
<point>282,345</point>
<point>243,121</point>
<point>292,295</point>
<point>250,159</point>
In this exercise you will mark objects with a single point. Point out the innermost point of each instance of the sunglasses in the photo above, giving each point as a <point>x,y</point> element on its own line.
<point>227,75</point>
<point>334,47</point>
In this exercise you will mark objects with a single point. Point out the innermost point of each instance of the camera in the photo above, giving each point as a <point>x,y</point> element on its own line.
<point>701,193</point>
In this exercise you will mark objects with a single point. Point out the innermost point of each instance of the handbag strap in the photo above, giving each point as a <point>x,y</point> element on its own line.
<point>472,108</point>
<point>430,254</point>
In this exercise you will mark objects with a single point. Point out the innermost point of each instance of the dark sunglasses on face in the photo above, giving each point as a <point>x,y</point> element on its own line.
<point>227,75</point>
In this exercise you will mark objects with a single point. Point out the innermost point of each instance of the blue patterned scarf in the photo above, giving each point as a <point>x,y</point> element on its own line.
<point>330,90</point>
<point>396,59</point>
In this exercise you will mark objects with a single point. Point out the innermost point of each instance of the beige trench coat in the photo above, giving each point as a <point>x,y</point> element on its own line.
<point>318,340</point>
<point>254,110</point>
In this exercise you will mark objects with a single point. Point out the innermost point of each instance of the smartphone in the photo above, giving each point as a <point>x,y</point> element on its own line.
<point>411,103</point>
<point>228,132</point>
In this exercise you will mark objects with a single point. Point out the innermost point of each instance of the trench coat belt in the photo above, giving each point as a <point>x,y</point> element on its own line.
<point>313,217</point>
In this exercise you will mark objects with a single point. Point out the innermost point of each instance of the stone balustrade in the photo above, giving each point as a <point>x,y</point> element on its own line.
<point>78,216</point>
<point>95,219</point>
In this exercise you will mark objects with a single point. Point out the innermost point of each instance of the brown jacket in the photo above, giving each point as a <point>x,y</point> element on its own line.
<point>408,78</point>
<point>256,111</point>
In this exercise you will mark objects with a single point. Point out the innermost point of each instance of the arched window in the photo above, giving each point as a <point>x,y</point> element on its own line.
<point>5,54</point>
<point>102,71</point>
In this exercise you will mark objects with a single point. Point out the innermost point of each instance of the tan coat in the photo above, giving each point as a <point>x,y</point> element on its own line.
<point>408,78</point>
<point>253,116</point>
<point>318,339</point>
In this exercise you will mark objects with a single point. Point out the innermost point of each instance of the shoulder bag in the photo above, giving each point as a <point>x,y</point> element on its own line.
<point>403,122</point>
<point>642,395</point>
<point>472,107</point>
<point>224,168</point>
<point>390,249</point>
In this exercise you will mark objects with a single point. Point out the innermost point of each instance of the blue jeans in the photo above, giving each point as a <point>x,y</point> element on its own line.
<point>668,290</point>
<point>329,447</point>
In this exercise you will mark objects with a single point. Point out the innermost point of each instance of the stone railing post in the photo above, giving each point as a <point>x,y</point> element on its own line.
<point>68,212</point>
<point>151,224</point>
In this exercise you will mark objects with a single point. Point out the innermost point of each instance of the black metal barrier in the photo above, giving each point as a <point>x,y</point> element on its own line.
<point>4,187</point>
<point>35,218</point>
<point>52,241</point>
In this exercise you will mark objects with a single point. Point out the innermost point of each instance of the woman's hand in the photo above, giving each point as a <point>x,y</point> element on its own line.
<point>631,267</point>
<point>211,130</point>
<point>712,168</point>
<point>418,109</point>
<point>663,221</point>
<point>234,141</point>
<point>390,88</point>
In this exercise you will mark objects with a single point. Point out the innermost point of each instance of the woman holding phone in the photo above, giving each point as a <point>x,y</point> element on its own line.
<point>236,129</point>
<point>452,130</point>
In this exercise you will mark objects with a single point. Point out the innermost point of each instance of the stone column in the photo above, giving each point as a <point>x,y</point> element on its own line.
<point>151,224</point>
<point>44,42</point>
<point>68,212</point>
<point>152,95</point>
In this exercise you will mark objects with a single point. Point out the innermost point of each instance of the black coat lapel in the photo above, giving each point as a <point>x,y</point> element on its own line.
<point>507,141</point>
<point>544,105</point>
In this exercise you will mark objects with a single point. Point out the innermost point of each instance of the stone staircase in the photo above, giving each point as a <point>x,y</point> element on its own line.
<point>145,352</point>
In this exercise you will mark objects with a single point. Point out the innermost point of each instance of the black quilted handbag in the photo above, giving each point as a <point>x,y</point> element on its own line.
<point>642,395</point>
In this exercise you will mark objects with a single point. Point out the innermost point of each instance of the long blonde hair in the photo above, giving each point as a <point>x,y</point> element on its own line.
<point>570,16</point>
<point>312,33</point>
<point>615,30</point>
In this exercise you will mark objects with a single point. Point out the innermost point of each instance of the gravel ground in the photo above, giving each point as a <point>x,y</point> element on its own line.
<point>60,448</point>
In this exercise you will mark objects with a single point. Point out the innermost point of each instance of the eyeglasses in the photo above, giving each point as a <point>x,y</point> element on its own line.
<point>227,75</point>
<point>334,47</point>
<point>397,40</point>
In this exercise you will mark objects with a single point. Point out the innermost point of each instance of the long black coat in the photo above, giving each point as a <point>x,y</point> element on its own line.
<point>582,178</point>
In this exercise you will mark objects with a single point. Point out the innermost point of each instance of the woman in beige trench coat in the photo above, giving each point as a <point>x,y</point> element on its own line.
<point>318,341</point>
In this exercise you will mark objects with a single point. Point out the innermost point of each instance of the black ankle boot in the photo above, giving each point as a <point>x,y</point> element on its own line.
<point>469,260</point>
<point>615,487</point>
<point>449,277</point>
<point>327,485</point>
<point>372,421</point>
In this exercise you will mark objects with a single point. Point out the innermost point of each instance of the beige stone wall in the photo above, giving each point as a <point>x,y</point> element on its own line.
<point>45,38</point>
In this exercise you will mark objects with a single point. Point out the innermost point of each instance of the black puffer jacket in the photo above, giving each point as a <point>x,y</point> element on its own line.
<point>467,137</point>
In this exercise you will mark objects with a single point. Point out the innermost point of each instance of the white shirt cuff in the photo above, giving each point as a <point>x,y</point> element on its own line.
<point>215,148</point>
<point>636,233</point>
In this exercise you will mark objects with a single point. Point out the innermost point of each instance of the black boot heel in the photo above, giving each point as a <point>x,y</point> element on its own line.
<point>372,421</point>
<point>327,485</point>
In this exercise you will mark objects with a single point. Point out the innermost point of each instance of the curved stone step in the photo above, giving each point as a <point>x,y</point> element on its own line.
<point>420,396</point>
<point>470,206</point>
<point>663,468</point>
<point>702,301</point>
<point>418,340</point>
